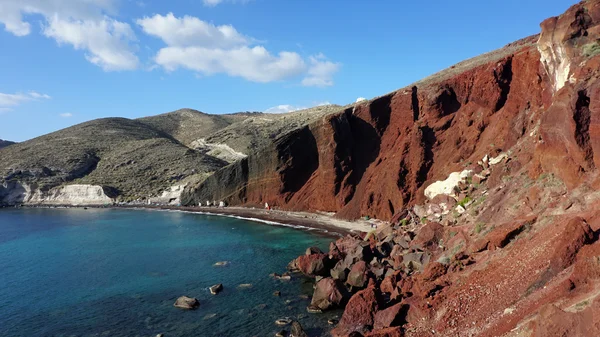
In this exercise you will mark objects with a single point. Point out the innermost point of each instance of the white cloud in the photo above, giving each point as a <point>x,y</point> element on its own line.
<point>284,108</point>
<point>360,99</point>
<point>105,40</point>
<point>208,49</point>
<point>84,24</point>
<point>9,101</point>
<point>213,3</point>
<point>190,31</point>
<point>321,71</point>
<point>254,64</point>
<point>66,115</point>
<point>37,95</point>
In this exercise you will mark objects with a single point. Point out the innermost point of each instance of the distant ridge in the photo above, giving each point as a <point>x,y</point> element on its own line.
<point>5,143</point>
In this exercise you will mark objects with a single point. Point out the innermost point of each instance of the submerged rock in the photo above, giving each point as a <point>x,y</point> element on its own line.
<point>283,321</point>
<point>297,330</point>
<point>217,288</point>
<point>221,263</point>
<point>188,303</point>
<point>282,333</point>
<point>312,309</point>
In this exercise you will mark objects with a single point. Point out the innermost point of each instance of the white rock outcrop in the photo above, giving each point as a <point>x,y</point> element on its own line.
<point>498,159</point>
<point>555,60</point>
<point>218,150</point>
<point>171,196</point>
<point>448,186</point>
<point>76,194</point>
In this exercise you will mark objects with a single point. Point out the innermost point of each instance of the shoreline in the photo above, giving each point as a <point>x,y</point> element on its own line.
<point>323,223</point>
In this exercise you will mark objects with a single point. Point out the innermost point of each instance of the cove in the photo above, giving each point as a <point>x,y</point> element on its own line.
<point>113,272</point>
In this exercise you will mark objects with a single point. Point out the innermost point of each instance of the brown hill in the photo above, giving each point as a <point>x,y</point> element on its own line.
<point>125,156</point>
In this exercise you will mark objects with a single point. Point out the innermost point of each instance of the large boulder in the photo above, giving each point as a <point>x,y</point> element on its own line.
<point>415,261</point>
<point>448,186</point>
<point>347,243</point>
<point>313,250</point>
<point>217,288</point>
<point>358,275</point>
<point>575,235</point>
<point>313,265</point>
<point>329,293</point>
<point>390,282</point>
<point>390,317</point>
<point>188,303</point>
<point>361,252</point>
<point>359,313</point>
<point>429,236</point>
<point>340,271</point>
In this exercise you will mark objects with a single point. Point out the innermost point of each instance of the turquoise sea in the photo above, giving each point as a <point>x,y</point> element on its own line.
<point>111,272</point>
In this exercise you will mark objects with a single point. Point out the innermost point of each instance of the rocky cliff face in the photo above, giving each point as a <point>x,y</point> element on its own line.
<point>78,195</point>
<point>376,158</point>
<point>505,240</point>
<point>535,97</point>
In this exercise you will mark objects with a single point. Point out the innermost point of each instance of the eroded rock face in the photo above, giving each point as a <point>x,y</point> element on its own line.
<point>76,194</point>
<point>170,196</point>
<point>409,139</point>
<point>520,255</point>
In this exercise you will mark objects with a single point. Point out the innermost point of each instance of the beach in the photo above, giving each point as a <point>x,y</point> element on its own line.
<point>325,222</point>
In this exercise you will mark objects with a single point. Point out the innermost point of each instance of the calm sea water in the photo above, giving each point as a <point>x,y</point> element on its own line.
<point>102,272</point>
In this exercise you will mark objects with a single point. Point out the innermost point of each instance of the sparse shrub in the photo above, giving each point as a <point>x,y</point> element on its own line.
<point>424,220</point>
<point>465,201</point>
<point>403,222</point>
<point>453,234</point>
<point>457,248</point>
<point>445,260</point>
<point>582,304</point>
<point>591,49</point>
<point>480,226</point>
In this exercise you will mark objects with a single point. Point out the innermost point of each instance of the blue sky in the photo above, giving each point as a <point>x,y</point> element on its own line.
<point>68,61</point>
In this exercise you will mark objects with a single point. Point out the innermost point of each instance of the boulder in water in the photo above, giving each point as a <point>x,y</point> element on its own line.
<point>283,321</point>
<point>221,263</point>
<point>297,330</point>
<point>217,288</point>
<point>188,303</point>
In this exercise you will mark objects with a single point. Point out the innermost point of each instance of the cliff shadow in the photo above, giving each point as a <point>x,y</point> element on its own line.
<point>365,149</point>
<point>298,159</point>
